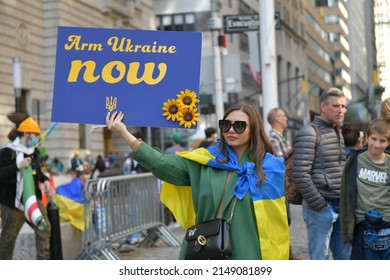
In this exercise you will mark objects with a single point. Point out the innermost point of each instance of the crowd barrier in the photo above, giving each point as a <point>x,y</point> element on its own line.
<point>115,207</point>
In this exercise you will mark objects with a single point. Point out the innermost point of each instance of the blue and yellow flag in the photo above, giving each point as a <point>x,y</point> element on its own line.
<point>69,199</point>
<point>268,201</point>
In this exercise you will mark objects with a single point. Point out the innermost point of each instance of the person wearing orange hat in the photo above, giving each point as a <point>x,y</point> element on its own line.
<point>17,204</point>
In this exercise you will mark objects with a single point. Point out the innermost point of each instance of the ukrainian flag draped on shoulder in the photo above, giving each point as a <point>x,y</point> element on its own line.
<point>268,199</point>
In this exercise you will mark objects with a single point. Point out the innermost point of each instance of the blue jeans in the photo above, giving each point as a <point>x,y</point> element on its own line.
<point>369,254</point>
<point>324,233</point>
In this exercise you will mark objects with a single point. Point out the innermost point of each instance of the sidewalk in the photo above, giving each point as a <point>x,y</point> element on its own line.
<point>298,242</point>
<point>162,252</point>
<point>298,234</point>
<point>25,245</point>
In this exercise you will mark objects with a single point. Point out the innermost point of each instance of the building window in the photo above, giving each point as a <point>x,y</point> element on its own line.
<point>320,3</point>
<point>176,22</point>
<point>332,19</point>
<point>298,81</point>
<point>318,70</point>
<point>334,37</point>
<point>166,23</point>
<point>317,48</point>
<point>325,3</point>
<point>189,19</point>
<point>289,90</point>
<point>316,26</point>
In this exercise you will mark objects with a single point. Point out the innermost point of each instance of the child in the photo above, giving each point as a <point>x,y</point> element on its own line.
<point>365,196</point>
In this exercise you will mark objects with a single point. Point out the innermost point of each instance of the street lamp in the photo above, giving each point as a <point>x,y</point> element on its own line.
<point>17,83</point>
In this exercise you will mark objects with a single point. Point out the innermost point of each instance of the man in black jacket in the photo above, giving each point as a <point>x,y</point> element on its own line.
<point>317,174</point>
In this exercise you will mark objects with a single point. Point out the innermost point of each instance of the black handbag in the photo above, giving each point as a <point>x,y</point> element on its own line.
<point>209,240</point>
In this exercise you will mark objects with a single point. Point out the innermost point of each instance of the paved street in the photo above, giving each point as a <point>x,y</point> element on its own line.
<point>25,247</point>
<point>298,233</point>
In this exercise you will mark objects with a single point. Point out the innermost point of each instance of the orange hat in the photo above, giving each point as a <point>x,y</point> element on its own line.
<point>29,125</point>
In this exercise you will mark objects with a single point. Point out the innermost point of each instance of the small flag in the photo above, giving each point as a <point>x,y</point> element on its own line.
<point>29,200</point>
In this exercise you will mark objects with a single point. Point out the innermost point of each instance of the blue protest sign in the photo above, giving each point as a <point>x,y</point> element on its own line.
<point>150,76</point>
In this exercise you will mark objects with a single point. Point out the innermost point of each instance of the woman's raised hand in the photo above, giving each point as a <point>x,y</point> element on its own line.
<point>114,121</point>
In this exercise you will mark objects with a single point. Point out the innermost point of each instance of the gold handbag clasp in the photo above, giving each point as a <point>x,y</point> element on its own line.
<point>202,240</point>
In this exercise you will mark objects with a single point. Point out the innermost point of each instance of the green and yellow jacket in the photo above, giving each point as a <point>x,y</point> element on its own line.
<point>194,187</point>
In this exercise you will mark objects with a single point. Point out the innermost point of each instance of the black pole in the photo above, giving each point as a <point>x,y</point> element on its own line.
<point>18,105</point>
<point>55,238</point>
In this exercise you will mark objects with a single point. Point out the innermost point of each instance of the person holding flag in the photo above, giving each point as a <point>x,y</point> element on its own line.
<point>20,195</point>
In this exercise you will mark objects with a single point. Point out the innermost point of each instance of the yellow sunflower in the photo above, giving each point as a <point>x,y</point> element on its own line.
<point>188,117</point>
<point>172,109</point>
<point>187,98</point>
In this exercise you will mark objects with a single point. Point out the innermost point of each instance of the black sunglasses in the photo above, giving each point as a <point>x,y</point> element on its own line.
<point>238,126</point>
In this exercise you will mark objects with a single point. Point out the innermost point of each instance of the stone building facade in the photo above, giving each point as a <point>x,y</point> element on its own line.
<point>28,30</point>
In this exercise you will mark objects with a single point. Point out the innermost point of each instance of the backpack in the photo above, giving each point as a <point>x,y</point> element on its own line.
<point>291,192</point>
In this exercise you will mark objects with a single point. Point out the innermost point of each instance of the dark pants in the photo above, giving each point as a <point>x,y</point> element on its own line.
<point>12,221</point>
<point>360,250</point>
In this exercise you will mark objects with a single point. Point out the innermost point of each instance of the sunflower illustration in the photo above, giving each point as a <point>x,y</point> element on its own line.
<point>172,109</point>
<point>183,109</point>
<point>187,98</point>
<point>188,117</point>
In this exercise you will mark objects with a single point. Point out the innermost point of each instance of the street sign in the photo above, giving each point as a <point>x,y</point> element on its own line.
<point>241,23</point>
<point>244,23</point>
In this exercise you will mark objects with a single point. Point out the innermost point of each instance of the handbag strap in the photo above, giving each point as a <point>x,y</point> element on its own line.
<point>231,213</point>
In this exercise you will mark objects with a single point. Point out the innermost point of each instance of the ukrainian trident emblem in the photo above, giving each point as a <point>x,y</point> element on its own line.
<point>111,103</point>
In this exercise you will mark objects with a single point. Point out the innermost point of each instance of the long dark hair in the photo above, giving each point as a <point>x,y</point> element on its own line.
<point>259,143</point>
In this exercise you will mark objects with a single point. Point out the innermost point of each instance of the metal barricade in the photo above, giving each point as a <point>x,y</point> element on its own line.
<point>118,206</point>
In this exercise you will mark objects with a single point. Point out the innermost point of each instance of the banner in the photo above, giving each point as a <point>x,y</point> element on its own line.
<point>150,76</point>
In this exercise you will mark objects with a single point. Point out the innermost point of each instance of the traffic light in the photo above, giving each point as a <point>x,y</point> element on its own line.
<point>357,114</point>
<point>374,99</point>
<point>222,41</point>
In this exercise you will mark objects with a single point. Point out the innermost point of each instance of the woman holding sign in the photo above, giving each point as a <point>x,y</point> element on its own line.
<point>237,184</point>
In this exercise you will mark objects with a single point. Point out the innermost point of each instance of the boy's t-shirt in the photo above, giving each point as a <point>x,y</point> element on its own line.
<point>373,187</point>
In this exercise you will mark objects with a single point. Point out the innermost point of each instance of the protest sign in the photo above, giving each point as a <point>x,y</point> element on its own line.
<point>150,76</point>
